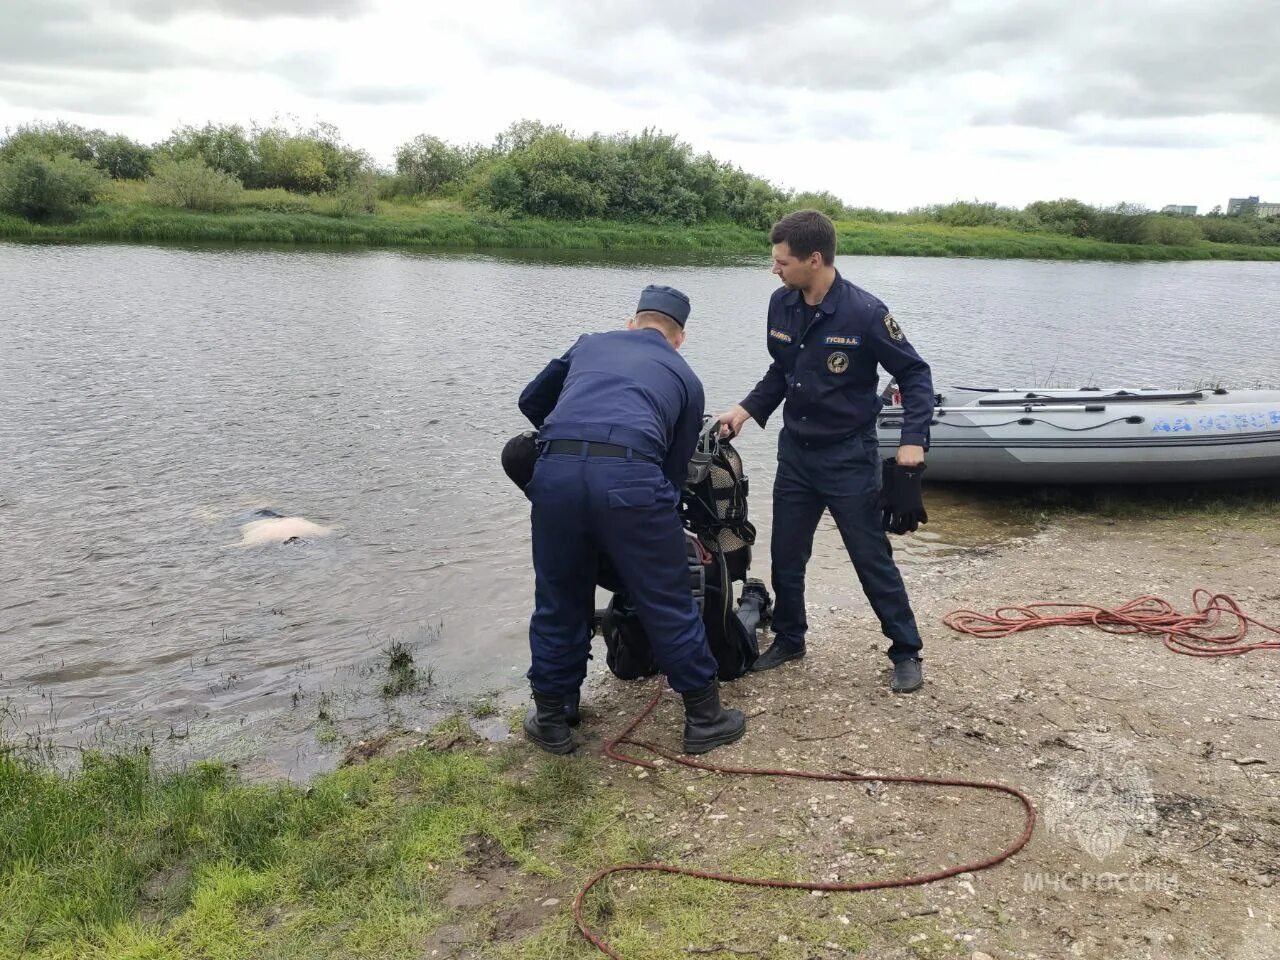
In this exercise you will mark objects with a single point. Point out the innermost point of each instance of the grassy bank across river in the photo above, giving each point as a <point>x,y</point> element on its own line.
<point>273,216</point>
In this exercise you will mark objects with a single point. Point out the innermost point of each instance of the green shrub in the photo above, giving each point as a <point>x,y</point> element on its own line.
<point>50,140</point>
<point>38,187</point>
<point>358,197</point>
<point>426,164</point>
<point>193,185</point>
<point>1229,230</point>
<point>114,154</point>
<point>276,200</point>
<point>1123,223</point>
<point>1172,231</point>
<point>222,147</point>
<point>828,203</point>
<point>123,159</point>
<point>1063,216</point>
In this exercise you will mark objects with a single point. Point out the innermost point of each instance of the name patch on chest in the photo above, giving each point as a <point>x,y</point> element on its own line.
<point>779,335</point>
<point>838,341</point>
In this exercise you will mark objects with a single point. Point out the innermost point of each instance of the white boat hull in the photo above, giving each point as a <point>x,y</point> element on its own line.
<point>1143,436</point>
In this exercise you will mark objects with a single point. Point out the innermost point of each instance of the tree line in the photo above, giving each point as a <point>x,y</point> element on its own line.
<point>49,171</point>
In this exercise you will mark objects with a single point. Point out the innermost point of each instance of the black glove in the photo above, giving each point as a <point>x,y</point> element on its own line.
<point>901,499</point>
<point>519,456</point>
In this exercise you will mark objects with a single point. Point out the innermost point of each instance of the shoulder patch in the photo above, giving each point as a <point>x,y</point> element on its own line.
<point>895,331</point>
<point>780,335</point>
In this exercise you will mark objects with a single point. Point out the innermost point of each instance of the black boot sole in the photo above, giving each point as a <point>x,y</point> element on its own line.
<point>706,746</point>
<point>559,747</point>
<point>762,664</point>
<point>894,686</point>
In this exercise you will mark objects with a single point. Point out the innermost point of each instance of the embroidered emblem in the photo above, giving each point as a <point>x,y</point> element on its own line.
<point>895,331</point>
<point>838,362</point>
<point>779,335</point>
<point>837,341</point>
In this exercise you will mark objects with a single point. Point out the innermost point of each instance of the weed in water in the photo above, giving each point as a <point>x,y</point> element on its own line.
<point>402,675</point>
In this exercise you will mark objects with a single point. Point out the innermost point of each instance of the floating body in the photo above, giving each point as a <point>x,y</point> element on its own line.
<point>1096,435</point>
<point>271,528</point>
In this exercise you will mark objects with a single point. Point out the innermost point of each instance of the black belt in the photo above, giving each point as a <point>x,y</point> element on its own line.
<point>594,449</point>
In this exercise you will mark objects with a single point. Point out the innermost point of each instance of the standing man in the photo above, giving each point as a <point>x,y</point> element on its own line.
<point>618,419</point>
<point>826,337</point>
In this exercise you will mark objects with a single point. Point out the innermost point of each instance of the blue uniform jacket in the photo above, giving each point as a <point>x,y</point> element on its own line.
<point>629,387</point>
<point>826,369</point>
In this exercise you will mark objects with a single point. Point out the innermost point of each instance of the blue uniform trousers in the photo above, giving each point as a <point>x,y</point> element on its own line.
<point>843,477</point>
<point>625,510</point>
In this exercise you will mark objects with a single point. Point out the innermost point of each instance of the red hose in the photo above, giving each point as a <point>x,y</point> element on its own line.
<point>612,751</point>
<point>1206,632</point>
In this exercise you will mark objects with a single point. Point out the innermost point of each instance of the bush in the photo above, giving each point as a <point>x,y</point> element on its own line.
<point>50,140</point>
<point>225,148</point>
<point>1172,231</point>
<point>306,160</point>
<point>545,171</point>
<point>426,164</point>
<point>1123,223</point>
<point>828,203</point>
<point>116,155</point>
<point>1228,230</point>
<point>275,200</point>
<point>1063,216</point>
<point>123,159</point>
<point>359,196</point>
<point>193,185</point>
<point>47,188</point>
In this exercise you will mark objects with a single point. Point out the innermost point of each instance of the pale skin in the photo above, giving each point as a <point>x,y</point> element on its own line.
<point>647,319</point>
<point>813,278</point>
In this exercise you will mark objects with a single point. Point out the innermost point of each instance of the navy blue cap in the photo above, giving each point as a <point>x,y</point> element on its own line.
<point>666,300</point>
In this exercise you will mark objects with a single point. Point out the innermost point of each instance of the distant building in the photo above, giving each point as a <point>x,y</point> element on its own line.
<point>1238,204</point>
<point>1259,208</point>
<point>1186,211</point>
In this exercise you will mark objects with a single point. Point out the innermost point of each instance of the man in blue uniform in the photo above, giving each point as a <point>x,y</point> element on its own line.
<point>826,338</point>
<point>618,418</point>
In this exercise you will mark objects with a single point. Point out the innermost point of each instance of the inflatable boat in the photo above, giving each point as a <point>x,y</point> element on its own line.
<point>1097,435</point>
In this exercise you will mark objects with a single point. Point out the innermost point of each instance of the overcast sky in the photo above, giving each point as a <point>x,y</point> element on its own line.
<point>888,103</point>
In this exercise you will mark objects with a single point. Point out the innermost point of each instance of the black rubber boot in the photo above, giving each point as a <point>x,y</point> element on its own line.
<point>778,654</point>
<point>708,725</point>
<point>908,676</point>
<point>573,708</point>
<point>546,725</point>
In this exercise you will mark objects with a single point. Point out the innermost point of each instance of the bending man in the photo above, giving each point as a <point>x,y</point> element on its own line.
<point>618,419</point>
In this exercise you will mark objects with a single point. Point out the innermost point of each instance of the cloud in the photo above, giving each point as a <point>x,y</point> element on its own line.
<point>66,34</point>
<point>161,11</point>
<point>1160,139</point>
<point>101,96</point>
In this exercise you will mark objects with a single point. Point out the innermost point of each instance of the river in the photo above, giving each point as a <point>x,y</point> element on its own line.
<point>153,398</point>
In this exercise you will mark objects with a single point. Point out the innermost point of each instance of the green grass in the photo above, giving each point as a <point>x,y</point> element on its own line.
<point>277,217</point>
<point>402,676</point>
<point>114,861</point>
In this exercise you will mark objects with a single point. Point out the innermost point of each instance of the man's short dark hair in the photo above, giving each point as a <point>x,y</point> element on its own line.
<point>806,232</point>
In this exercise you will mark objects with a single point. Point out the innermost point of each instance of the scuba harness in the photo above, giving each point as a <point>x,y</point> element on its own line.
<point>718,541</point>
